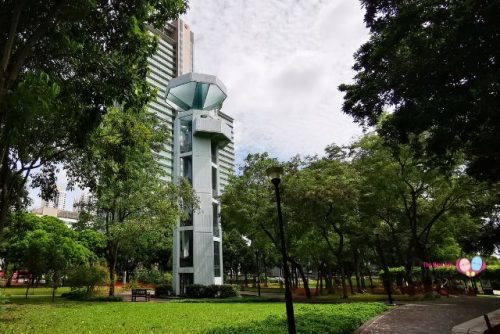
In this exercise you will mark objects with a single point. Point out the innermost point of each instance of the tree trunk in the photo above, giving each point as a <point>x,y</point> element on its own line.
<point>350,284</point>
<point>111,259</point>
<point>27,288</point>
<point>4,194</point>
<point>265,274</point>
<point>318,282</point>
<point>356,271</point>
<point>329,282</point>
<point>304,279</point>
<point>342,282</point>
<point>54,285</point>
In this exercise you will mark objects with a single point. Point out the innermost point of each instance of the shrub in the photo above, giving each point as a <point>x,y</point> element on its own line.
<point>167,278</point>
<point>152,276</point>
<point>163,290</point>
<point>81,295</point>
<point>227,291</point>
<point>3,300</point>
<point>196,291</point>
<point>75,295</point>
<point>431,295</point>
<point>211,291</point>
<point>87,277</point>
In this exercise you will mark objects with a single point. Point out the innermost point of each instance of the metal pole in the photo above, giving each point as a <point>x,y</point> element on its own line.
<point>258,273</point>
<point>387,273</point>
<point>288,293</point>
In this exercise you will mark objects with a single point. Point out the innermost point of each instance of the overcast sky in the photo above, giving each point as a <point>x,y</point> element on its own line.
<point>282,62</point>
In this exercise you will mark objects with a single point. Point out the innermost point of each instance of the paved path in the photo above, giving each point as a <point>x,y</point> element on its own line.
<point>432,317</point>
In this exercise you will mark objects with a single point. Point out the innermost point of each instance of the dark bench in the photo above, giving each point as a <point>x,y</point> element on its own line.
<point>491,329</point>
<point>141,293</point>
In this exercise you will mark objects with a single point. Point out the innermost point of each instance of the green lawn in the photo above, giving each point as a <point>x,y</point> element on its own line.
<point>181,317</point>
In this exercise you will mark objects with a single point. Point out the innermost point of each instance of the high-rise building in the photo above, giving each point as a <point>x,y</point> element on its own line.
<point>173,58</point>
<point>84,202</point>
<point>59,200</point>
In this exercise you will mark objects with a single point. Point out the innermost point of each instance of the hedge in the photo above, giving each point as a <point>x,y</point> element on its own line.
<point>211,291</point>
<point>492,272</point>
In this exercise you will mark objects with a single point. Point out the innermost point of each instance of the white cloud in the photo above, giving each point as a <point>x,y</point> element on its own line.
<point>282,62</point>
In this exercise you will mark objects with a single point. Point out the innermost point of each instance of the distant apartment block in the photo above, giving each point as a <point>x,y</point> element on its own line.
<point>58,202</point>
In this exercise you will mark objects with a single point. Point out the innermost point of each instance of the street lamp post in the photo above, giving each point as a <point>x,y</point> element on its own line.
<point>274,173</point>
<point>387,278</point>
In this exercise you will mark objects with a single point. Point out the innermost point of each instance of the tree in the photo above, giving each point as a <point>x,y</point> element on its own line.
<point>49,248</point>
<point>407,199</point>
<point>323,195</point>
<point>119,166</point>
<point>435,65</point>
<point>62,65</point>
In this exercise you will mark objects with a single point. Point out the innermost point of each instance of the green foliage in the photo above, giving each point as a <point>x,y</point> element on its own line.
<point>3,299</point>
<point>80,295</point>
<point>163,290</point>
<point>63,65</point>
<point>432,63</point>
<point>431,295</point>
<point>46,246</point>
<point>150,276</point>
<point>87,277</point>
<point>135,208</point>
<point>211,291</point>
<point>227,291</point>
<point>492,272</point>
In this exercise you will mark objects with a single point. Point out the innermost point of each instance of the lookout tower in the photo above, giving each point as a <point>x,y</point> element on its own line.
<point>199,134</point>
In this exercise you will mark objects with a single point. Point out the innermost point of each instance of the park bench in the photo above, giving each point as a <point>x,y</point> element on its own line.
<point>491,329</point>
<point>140,293</point>
<point>486,324</point>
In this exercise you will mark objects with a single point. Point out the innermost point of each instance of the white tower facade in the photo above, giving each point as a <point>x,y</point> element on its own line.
<point>200,135</point>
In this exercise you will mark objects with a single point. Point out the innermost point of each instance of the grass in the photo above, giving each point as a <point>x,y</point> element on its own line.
<point>182,317</point>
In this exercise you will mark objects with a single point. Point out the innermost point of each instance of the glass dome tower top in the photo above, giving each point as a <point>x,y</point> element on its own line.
<point>196,91</point>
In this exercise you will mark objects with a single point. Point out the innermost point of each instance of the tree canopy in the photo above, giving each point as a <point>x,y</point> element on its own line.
<point>62,65</point>
<point>434,67</point>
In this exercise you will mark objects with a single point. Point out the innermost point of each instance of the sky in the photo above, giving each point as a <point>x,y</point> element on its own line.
<point>281,61</point>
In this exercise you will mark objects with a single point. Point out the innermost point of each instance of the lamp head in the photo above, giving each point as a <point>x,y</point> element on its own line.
<point>274,174</point>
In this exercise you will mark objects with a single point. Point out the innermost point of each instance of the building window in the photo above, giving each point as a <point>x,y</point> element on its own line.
<point>186,140</point>
<point>187,168</point>
<point>186,255</point>
<point>187,220</point>
<point>214,152</point>
<point>214,182</point>
<point>215,215</point>
<point>217,259</point>
<point>185,279</point>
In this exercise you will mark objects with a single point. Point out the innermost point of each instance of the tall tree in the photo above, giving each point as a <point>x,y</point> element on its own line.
<point>323,196</point>
<point>408,199</point>
<point>131,194</point>
<point>62,65</point>
<point>435,64</point>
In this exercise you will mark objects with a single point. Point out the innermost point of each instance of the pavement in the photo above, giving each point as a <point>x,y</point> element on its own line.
<point>430,317</point>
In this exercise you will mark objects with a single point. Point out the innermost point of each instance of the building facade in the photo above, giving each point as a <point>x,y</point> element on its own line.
<point>58,202</point>
<point>173,58</point>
